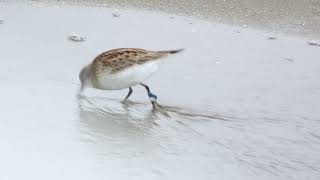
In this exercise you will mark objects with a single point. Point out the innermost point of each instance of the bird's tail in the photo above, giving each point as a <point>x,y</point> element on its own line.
<point>171,51</point>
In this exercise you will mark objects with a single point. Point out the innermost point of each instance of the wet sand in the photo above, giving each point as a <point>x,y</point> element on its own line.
<point>238,104</point>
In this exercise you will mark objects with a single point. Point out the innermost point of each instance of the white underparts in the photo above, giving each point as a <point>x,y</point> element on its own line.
<point>128,77</point>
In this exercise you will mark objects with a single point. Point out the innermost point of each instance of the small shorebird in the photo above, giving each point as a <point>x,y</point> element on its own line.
<point>123,68</point>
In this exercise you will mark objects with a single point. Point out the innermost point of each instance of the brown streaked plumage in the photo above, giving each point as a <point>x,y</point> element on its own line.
<point>119,59</point>
<point>123,68</point>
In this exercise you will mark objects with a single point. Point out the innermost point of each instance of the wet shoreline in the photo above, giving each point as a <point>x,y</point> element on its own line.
<point>239,103</point>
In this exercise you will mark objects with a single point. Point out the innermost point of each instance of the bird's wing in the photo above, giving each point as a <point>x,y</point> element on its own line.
<point>119,59</point>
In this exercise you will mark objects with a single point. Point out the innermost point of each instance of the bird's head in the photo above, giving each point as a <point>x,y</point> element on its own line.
<point>85,77</point>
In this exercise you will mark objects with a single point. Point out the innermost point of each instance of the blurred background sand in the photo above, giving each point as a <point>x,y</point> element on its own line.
<point>299,17</point>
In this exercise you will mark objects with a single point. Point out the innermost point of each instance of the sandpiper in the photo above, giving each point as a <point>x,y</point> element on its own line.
<point>123,68</point>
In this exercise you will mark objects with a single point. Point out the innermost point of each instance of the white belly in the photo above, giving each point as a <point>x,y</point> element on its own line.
<point>128,77</point>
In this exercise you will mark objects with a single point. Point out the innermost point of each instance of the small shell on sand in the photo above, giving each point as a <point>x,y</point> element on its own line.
<point>272,37</point>
<point>314,43</point>
<point>115,14</point>
<point>77,38</point>
<point>289,59</point>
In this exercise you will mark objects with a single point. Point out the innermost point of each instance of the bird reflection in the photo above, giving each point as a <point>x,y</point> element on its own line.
<point>135,117</point>
<point>101,112</point>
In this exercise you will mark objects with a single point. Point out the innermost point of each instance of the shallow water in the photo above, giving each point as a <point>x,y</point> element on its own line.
<point>237,105</point>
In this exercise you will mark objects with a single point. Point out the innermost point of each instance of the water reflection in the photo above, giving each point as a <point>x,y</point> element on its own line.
<point>137,114</point>
<point>131,130</point>
<point>112,118</point>
<point>111,115</point>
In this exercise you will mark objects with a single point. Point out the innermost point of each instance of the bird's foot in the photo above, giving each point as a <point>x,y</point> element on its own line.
<point>127,102</point>
<point>157,108</point>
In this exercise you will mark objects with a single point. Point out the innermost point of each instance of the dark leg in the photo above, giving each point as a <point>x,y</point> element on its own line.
<point>129,93</point>
<point>153,98</point>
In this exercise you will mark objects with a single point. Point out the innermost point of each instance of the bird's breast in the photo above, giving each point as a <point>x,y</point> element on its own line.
<point>126,78</point>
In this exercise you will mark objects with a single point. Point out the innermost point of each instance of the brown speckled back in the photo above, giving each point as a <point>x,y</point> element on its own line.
<point>119,59</point>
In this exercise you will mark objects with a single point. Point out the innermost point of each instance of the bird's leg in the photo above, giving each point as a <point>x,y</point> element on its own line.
<point>153,98</point>
<point>129,93</point>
